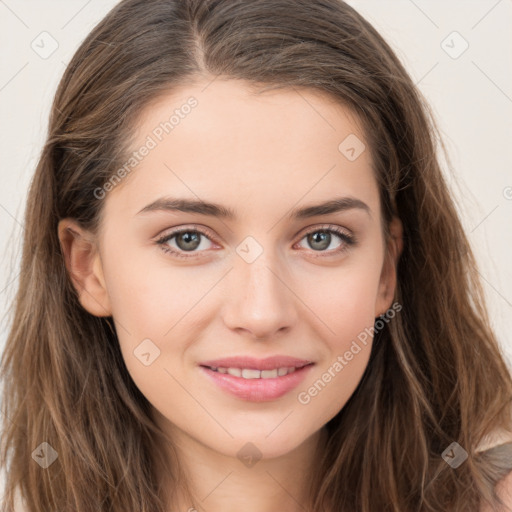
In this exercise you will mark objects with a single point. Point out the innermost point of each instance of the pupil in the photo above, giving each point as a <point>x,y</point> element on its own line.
<point>188,238</point>
<point>325,239</point>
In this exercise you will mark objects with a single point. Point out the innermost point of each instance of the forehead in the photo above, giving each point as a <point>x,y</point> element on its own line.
<point>224,142</point>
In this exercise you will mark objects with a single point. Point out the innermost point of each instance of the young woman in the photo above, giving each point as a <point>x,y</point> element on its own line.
<point>244,283</point>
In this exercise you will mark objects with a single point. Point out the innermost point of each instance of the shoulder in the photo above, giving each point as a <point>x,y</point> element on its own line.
<point>504,486</point>
<point>496,438</point>
<point>19,505</point>
<point>504,491</point>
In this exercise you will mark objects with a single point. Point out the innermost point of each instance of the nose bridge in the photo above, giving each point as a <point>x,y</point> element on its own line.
<point>261,279</point>
<point>260,300</point>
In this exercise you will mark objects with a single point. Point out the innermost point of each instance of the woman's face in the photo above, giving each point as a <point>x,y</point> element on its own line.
<point>266,281</point>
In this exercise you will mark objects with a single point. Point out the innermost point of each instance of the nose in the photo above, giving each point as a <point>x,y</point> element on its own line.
<point>261,302</point>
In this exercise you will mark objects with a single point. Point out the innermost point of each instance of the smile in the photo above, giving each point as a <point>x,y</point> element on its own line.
<point>249,373</point>
<point>256,385</point>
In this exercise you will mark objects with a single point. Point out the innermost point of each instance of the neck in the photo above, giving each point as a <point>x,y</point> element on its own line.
<point>220,483</point>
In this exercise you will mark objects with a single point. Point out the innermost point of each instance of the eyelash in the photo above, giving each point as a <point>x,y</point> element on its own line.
<point>349,240</point>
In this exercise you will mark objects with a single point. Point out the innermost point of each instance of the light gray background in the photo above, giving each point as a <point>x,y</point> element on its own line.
<point>471,96</point>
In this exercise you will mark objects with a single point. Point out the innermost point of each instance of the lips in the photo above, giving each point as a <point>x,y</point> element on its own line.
<point>252,363</point>
<point>257,380</point>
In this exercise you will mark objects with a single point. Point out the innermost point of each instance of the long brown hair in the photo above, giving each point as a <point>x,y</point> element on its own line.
<point>436,374</point>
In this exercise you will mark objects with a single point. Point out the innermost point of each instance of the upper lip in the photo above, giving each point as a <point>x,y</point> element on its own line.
<point>269,363</point>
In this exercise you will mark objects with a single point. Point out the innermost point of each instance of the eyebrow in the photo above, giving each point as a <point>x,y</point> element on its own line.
<point>338,204</point>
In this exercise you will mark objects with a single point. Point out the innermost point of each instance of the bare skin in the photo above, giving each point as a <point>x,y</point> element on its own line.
<point>261,156</point>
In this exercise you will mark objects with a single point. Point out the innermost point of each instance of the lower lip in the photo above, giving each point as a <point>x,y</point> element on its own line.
<point>258,390</point>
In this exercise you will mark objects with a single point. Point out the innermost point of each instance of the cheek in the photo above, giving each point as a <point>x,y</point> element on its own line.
<point>345,301</point>
<point>325,396</point>
<point>347,351</point>
<point>148,296</point>
<point>149,306</point>
<point>153,301</point>
<point>344,298</point>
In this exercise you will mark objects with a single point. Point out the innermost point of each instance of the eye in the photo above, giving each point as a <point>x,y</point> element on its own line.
<point>321,238</point>
<point>187,240</point>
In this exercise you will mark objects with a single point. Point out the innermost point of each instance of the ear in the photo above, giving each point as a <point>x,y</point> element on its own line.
<point>388,278</point>
<point>84,267</point>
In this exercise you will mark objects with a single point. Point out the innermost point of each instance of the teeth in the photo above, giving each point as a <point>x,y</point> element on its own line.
<point>236,372</point>
<point>248,373</point>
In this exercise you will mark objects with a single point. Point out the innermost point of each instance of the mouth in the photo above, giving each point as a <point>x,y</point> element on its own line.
<point>250,373</point>
<point>257,380</point>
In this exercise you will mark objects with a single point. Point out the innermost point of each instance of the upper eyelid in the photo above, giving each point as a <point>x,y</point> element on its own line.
<point>176,231</point>
<point>324,226</point>
<point>207,232</point>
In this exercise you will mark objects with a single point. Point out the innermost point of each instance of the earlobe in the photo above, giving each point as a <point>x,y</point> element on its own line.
<point>388,276</point>
<point>83,264</point>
